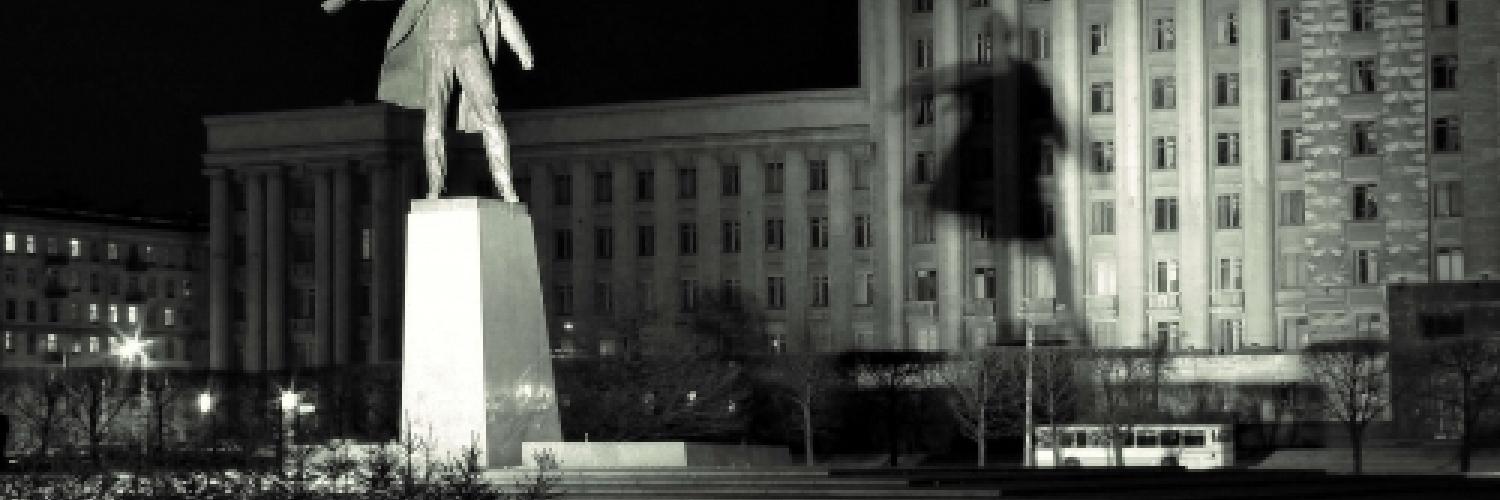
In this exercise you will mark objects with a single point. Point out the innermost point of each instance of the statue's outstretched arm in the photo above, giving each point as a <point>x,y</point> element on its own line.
<point>332,6</point>
<point>510,30</point>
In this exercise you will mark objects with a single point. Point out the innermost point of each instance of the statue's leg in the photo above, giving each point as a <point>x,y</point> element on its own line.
<point>479,93</point>
<point>439,90</point>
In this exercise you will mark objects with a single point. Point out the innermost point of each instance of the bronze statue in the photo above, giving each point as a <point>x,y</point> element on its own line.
<point>431,43</point>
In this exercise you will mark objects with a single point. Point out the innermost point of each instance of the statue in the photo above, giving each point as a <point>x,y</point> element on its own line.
<point>431,43</point>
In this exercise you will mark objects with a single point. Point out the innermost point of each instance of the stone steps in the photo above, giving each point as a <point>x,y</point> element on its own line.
<point>733,483</point>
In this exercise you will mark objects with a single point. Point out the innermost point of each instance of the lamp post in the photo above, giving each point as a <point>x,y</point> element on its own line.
<point>132,348</point>
<point>205,414</point>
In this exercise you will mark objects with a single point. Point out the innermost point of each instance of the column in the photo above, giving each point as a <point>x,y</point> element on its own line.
<point>882,71</point>
<point>1069,85</point>
<point>1194,233</point>
<point>1258,216</point>
<point>221,255</point>
<point>275,314</point>
<point>798,250</point>
<point>343,265</point>
<point>382,260</point>
<point>322,348</point>
<point>1007,152</point>
<point>841,277</point>
<point>948,35</point>
<point>752,223</point>
<point>255,271</point>
<point>1132,232</point>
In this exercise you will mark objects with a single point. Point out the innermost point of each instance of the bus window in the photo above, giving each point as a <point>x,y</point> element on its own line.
<point>1171,439</point>
<point>1192,438</point>
<point>1096,439</point>
<point>1127,439</point>
<point>1044,438</point>
<point>1145,439</point>
<point>1066,440</point>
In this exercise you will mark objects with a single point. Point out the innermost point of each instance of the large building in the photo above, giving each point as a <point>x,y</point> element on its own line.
<point>76,284</point>
<point>1231,177</point>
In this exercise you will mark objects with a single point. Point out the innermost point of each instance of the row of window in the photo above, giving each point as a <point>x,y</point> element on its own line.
<point>79,249</point>
<point>29,311</point>
<point>32,344</point>
<point>71,280</point>
<point>730,237</point>
<point>691,293</point>
<point>687,182</point>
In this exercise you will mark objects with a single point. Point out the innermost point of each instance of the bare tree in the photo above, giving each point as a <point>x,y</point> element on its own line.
<point>1355,378</point>
<point>96,398</point>
<point>729,322</point>
<point>1465,373</point>
<point>894,377</point>
<point>805,381</point>
<point>1055,389</point>
<point>1124,383</point>
<point>984,386</point>
<point>37,400</point>
<point>653,397</point>
<point>165,392</point>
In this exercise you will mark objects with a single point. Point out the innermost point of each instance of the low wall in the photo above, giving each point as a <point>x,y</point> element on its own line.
<point>656,454</point>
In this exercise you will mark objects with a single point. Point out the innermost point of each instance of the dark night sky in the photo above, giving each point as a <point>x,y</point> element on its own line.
<point>105,98</point>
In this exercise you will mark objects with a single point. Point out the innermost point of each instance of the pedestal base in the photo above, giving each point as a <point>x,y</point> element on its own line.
<point>476,363</point>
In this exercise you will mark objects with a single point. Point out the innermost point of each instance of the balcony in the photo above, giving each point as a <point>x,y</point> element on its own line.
<point>922,308</point>
<point>1162,300</point>
<point>1228,298</point>
<point>979,307</point>
<point>1109,303</point>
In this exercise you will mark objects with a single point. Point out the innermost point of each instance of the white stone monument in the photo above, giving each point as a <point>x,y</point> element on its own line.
<point>476,364</point>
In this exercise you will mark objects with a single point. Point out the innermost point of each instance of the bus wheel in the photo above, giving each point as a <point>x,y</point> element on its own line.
<point>1072,462</point>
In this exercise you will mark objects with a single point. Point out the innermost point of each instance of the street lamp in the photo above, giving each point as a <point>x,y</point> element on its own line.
<point>133,348</point>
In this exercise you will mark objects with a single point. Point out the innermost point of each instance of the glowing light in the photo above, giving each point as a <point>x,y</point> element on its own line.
<point>205,402</point>
<point>289,400</point>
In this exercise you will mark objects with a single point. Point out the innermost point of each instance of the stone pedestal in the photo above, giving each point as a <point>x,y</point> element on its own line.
<point>476,364</point>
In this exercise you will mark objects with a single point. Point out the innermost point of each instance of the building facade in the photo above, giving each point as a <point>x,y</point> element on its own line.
<point>1233,177</point>
<point>75,284</point>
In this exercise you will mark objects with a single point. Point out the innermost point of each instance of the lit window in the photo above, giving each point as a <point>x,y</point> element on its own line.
<point>75,248</point>
<point>31,244</point>
<point>168,317</point>
<point>51,343</point>
<point>366,244</point>
<point>10,242</point>
<point>93,313</point>
<point>93,344</point>
<point>1104,282</point>
<point>112,251</point>
<point>114,313</point>
<point>133,314</point>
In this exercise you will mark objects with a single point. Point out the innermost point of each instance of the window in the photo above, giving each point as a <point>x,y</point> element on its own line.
<point>776,292</point>
<point>1445,13</point>
<point>775,234</point>
<point>1362,75</point>
<point>864,289</point>
<point>731,236</point>
<point>1368,324</point>
<point>10,341</point>
<point>1102,217</point>
<point>563,295</point>
<point>1102,97</point>
<point>1293,332</point>
<point>1229,211</point>
<point>687,183</point>
<point>30,244</point>
<point>1230,274</point>
<point>1366,205</point>
<point>562,189</point>
<point>1289,84</point>
<point>645,241</point>
<point>1444,72</point>
<point>1165,274</point>
<point>1366,267</point>
<point>1163,34</point>
<point>922,53</point>
<point>1290,150</point>
<point>923,165</point>
<point>921,6</point>
<point>924,227</point>
<point>775,177</point>
<point>1291,209</point>
<point>563,244</point>
<point>817,175</point>
<point>729,179</point>
<point>133,314</point>
<point>1229,29</point>
<point>75,248</point>
<point>817,232</point>
<point>1168,336</point>
<point>864,236</point>
<point>10,242</point>
<point>608,347</point>
<point>1103,153</point>
<point>1227,152</point>
<point>94,313</point>
<point>1103,282</point>
<point>1446,136</point>
<point>1049,219</point>
<point>168,317</point>
<point>10,309</point>
<point>1165,214</point>
<point>984,47</point>
<point>926,284</point>
<point>604,187</point>
<point>820,290</point>
<point>645,185</point>
<point>604,242</point>
<point>1285,23</point>
<point>1099,39</point>
<point>1227,89</point>
<point>1231,333</point>
<point>925,110</point>
<point>1038,44</point>
<point>1164,92</point>
<point>1450,263</point>
<point>1447,199</point>
<point>51,344</point>
<point>112,251</point>
<point>1364,138</point>
<point>687,294</point>
<point>687,238</point>
<point>1164,152</point>
<point>1361,15</point>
